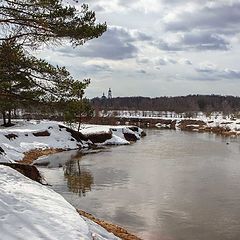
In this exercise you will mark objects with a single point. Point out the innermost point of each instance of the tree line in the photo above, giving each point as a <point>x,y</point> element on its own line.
<point>179,104</point>
<point>26,25</point>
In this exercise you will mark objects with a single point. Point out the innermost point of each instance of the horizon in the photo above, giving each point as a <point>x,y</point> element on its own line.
<point>135,96</point>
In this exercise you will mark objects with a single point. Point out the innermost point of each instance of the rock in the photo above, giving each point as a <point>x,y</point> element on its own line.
<point>99,137</point>
<point>79,137</point>
<point>130,137</point>
<point>42,134</point>
<point>11,136</point>
<point>27,170</point>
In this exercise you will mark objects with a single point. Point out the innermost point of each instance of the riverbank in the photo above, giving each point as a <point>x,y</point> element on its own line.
<point>20,146</point>
<point>116,230</point>
<point>217,124</point>
<point>29,140</point>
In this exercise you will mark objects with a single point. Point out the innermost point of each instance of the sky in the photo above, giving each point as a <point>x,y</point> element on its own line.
<point>158,48</point>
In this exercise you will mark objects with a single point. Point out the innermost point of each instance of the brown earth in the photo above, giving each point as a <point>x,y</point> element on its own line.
<point>36,153</point>
<point>116,230</point>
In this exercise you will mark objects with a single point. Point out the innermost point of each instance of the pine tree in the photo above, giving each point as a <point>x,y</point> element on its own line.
<point>33,22</point>
<point>24,78</point>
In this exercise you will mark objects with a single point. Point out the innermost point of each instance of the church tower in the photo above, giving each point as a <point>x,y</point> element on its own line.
<point>109,93</point>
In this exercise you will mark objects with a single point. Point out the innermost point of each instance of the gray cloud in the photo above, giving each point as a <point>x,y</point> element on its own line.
<point>141,71</point>
<point>185,61</point>
<point>204,41</point>
<point>116,44</point>
<point>163,45</point>
<point>211,71</point>
<point>195,41</point>
<point>221,18</point>
<point>165,61</point>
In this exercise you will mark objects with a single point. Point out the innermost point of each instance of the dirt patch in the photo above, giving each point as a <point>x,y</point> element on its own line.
<point>11,136</point>
<point>116,230</point>
<point>36,153</point>
<point>42,134</point>
<point>27,170</point>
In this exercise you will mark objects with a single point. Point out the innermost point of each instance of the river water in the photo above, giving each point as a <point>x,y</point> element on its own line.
<point>169,185</point>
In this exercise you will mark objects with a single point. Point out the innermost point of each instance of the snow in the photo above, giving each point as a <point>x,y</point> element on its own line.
<point>59,138</point>
<point>25,141</point>
<point>116,131</point>
<point>29,210</point>
<point>211,121</point>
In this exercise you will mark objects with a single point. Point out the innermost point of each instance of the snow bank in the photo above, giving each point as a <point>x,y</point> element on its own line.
<point>33,211</point>
<point>15,141</point>
<point>26,136</point>
<point>118,133</point>
<point>226,126</point>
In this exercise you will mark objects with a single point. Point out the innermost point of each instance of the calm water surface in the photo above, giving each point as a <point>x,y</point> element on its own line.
<point>169,185</point>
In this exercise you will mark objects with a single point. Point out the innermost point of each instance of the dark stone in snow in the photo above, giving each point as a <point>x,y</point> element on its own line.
<point>1,151</point>
<point>99,137</point>
<point>11,136</point>
<point>42,134</point>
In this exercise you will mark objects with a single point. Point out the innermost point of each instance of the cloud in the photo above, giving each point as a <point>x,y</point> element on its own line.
<point>185,61</point>
<point>97,67</point>
<point>211,70</point>
<point>204,41</point>
<point>221,17</point>
<point>164,61</point>
<point>141,71</point>
<point>195,41</point>
<point>116,44</point>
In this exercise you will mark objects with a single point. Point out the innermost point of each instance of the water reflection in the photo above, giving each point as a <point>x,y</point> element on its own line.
<point>78,179</point>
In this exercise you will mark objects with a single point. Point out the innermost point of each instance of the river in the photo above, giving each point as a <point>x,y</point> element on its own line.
<point>170,185</point>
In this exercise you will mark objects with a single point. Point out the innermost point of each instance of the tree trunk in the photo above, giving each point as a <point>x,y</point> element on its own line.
<point>9,118</point>
<point>4,118</point>
<point>79,122</point>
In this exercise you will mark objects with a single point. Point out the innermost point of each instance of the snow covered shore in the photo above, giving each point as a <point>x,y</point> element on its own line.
<point>29,210</point>
<point>26,136</point>
<point>218,125</point>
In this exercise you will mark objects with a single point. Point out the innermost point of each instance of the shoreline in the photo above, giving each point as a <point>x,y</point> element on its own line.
<point>32,155</point>
<point>221,126</point>
<point>185,125</point>
<point>110,227</point>
<point>28,143</point>
<point>24,167</point>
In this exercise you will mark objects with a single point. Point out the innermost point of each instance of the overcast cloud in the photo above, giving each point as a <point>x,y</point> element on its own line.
<point>159,47</point>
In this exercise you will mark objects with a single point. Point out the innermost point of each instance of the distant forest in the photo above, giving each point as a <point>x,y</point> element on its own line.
<point>190,103</point>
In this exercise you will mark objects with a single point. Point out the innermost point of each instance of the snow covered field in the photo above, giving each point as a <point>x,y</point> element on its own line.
<point>29,210</point>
